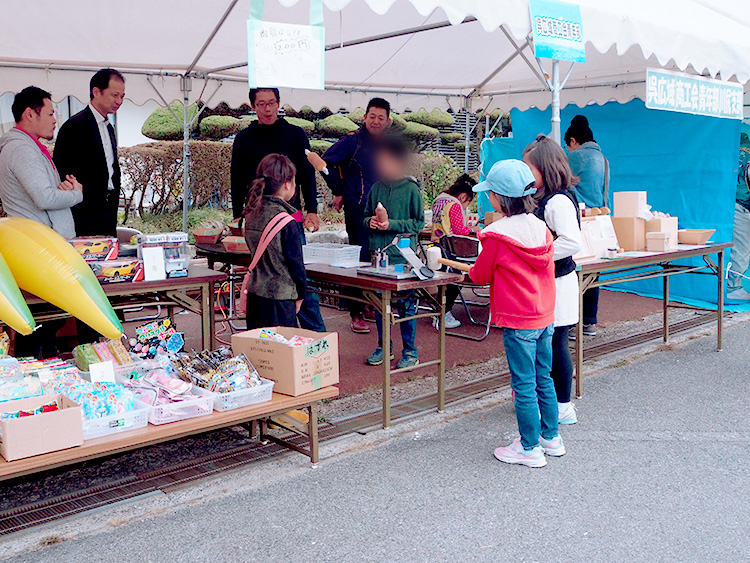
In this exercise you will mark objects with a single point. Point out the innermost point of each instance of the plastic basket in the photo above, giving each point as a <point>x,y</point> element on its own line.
<point>120,371</point>
<point>329,253</point>
<point>202,405</point>
<point>243,397</point>
<point>114,423</point>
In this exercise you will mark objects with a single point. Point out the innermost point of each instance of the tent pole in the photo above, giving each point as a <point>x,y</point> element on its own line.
<point>467,134</point>
<point>556,100</point>
<point>185,86</point>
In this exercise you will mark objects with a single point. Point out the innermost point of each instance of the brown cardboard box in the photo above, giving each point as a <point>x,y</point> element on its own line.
<point>40,433</point>
<point>492,216</point>
<point>295,370</point>
<point>631,232</point>
<point>657,242</point>
<point>628,204</point>
<point>664,225</point>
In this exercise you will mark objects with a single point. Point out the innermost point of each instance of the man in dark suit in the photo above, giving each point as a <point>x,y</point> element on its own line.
<point>86,147</point>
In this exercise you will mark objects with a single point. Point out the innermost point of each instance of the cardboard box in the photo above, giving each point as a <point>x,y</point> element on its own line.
<point>598,236</point>
<point>629,204</point>
<point>235,244</point>
<point>664,225</point>
<point>631,232</point>
<point>492,216</point>
<point>40,433</point>
<point>296,370</point>
<point>657,242</point>
<point>93,249</point>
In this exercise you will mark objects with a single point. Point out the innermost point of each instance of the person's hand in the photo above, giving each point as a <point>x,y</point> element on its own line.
<point>477,229</point>
<point>312,223</point>
<point>298,305</point>
<point>382,225</point>
<point>66,186</point>
<point>75,183</point>
<point>338,202</point>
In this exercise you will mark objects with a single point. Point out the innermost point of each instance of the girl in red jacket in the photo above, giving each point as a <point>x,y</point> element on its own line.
<point>517,261</point>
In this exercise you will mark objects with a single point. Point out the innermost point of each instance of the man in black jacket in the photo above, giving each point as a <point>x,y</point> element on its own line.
<point>273,134</point>
<point>86,148</point>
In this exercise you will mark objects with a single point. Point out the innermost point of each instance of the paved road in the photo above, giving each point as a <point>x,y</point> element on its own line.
<point>657,470</point>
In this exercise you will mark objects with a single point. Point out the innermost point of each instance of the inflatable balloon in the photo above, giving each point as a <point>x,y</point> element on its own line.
<point>13,309</point>
<point>45,264</point>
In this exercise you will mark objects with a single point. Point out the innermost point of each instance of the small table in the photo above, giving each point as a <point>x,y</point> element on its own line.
<point>640,266</point>
<point>171,291</point>
<point>379,292</point>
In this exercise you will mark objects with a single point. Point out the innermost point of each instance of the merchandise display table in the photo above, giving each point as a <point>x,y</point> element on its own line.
<point>169,292</point>
<point>381,292</point>
<point>635,266</point>
<point>150,435</point>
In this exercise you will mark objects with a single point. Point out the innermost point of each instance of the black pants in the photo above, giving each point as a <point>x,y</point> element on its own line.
<point>354,218</point>
<point>451,294</point>
<point>562,364</point>
<point>40,344</point>
<point>262,312</point>
<point>590,306</point>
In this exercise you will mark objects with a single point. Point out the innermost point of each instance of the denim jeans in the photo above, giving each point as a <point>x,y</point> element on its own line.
<point>309,315</point>
<point>405,308</point>
<point>529,354</point>
<point>740,253</point>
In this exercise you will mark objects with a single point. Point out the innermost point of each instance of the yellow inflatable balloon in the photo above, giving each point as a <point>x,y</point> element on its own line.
<point>13,309</point>
<point>45,264</point>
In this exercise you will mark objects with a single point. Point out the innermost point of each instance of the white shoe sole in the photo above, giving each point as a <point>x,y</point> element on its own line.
<point>557,452</point>
<point>514,461</point>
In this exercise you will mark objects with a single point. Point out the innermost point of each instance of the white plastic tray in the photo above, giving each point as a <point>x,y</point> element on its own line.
<point>243,397</point>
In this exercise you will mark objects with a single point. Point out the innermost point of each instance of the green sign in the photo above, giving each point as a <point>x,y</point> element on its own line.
<point>675,91</point>
<point>558,30</point>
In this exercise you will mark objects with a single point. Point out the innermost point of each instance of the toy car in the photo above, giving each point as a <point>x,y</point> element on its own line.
<point>96,248</point>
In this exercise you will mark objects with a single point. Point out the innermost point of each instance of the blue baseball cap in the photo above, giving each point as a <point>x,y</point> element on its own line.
<point>512,178</point>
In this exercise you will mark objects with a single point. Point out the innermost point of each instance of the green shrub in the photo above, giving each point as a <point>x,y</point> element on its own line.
<point>461,146</point>
<point>357,116</point>
<point>451,137</point>
<point>436,118</point>
<point>245,122</point>
<point>319,146</point>
<point>436,173</point>
<point>308,126</point>
<point>336,126</point>
<point>419,133</point>
<point>217,127</point>
<point>162,126</point>
<point>289,111</point>
<point>398,123</point>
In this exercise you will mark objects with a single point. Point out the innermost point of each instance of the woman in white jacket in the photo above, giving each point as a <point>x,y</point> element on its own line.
<point>557,205</point>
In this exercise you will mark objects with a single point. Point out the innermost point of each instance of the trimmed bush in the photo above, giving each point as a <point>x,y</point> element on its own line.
<point>436,118</point>
<point>336,126</point>
<point>398,123</point>
<point>289,111</point>
<point>245,122</point>
<point>308,126</point>
<point>217,127</point>
<point>461,146</point>
<point>420,133</point>
<point>451,137</point>
<point>435,173</point>
<point>161,124</point>
<point>318,146</point>
<point>357,116</point>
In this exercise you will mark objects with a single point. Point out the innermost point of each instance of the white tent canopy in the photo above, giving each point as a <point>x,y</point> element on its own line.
<point>445,63</point>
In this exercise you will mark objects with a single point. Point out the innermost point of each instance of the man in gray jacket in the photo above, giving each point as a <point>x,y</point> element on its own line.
<point>30,185</point>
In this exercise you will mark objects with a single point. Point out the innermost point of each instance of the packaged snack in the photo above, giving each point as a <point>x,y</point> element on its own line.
<point>4,344</point>
<point>266,334</point>
<point>119,352</point>
<point>103,351</point>
<point>85,355</point>
<point>296,340</point>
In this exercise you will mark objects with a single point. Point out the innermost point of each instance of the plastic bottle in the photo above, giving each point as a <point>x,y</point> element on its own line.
<point>381,213</point>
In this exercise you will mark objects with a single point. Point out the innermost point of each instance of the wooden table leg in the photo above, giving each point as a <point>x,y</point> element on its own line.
<point>579,338</point>
<point>441,349</point>
<point>312,433</point>
<point>666,310</point>
<point>720,304</point>
<point>207,315</point>
<point>385,307</point>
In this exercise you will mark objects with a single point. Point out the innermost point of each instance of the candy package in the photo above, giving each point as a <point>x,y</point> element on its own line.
<point>47,407</point>
<point>157,337</point>
<point>218,371</point>
<point>4,344</point>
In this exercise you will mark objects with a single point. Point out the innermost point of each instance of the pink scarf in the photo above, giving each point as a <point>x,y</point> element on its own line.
<point>42,148</point>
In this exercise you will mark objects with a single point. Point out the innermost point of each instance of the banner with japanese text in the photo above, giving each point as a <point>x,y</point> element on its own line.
<point>698,95</point>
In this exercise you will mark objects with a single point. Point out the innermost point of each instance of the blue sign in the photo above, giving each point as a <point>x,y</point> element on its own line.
<point>558,30</point>
<point>675,91</point>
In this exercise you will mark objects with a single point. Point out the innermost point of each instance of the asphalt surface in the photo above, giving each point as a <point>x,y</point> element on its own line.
<point>656,470</point>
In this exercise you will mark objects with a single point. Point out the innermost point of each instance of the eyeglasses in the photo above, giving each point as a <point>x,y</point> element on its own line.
<point>264,105</point>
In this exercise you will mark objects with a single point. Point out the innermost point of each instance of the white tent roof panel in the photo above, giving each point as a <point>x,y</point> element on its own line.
<point>163,38</point>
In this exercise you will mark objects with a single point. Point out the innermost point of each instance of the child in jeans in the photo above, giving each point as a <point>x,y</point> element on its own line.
<point>402,199</point>
<point>517,261</point>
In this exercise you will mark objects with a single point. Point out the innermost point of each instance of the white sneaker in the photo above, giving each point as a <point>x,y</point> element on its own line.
<point>740,294</point>
<point>566,413</point>
<point>450,322</point>
<point>553,447</point>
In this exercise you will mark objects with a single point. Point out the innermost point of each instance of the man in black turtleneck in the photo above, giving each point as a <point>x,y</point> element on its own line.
<point>273,134</point>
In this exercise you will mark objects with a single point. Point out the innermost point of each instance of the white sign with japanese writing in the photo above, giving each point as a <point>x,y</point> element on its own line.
<point>675,91</point>
<point>285,55</point>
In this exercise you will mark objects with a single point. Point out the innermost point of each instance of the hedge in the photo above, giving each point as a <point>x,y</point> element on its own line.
<point>319,146</point>
<point>308,126</point>
<point>420,133</point>
<point>161,124</point>
<point>398,123</point>
<point>217,127</point>
<point>436,118</point>
<point>451,137</point>
<point>336,126</point>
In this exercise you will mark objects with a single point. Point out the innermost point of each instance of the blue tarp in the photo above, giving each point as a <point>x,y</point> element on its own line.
<point>686,163</point>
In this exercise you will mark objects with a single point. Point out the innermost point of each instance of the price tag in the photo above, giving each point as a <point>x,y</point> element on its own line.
<point>103,372</point>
